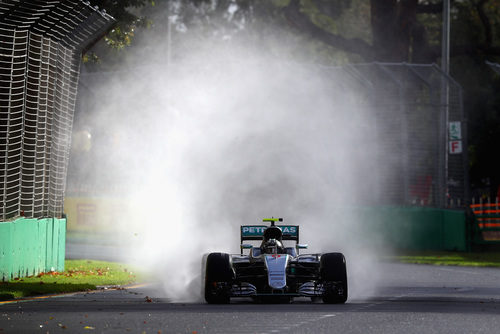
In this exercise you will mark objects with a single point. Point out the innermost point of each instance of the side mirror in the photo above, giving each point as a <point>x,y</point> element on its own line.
<point>246,246</point>
<point>302,246</point>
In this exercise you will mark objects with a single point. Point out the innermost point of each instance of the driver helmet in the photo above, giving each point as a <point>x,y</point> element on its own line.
<point>273,246</point>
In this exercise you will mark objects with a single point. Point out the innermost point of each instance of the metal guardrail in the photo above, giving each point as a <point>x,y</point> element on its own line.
<point>40,51</point>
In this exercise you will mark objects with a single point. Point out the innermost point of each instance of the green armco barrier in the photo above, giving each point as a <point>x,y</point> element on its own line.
<point>31,246</point>
<point>413,228</point>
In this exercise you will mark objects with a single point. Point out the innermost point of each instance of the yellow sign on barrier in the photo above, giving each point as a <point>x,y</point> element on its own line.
<point>93,214</point>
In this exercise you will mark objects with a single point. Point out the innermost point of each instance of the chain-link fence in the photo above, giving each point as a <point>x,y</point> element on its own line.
<point>421,133</point>
<point>41,43</point>
<point>417,117</point>
<point>420,124</point>
<point>494,66</point>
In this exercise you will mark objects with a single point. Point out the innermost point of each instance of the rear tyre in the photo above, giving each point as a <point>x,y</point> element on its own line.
<point>333,273</point>
<point>218,277</point>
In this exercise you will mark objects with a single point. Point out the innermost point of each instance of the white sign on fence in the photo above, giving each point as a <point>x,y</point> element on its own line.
<point>455,131</point>
<point>455,147</point>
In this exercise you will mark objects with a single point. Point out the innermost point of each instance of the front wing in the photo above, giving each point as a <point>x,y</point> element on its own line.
<point>277,275</point>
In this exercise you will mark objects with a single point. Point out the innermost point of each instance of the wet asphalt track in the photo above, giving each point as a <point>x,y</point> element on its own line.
<point>411,299</point>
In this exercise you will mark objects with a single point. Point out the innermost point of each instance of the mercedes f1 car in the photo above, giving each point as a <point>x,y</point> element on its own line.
<point>271,270</point>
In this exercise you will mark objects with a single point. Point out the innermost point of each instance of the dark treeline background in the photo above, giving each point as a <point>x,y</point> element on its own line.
<point>330,33</point>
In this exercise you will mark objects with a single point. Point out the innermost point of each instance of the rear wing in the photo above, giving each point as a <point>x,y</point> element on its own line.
<point>255,232</point>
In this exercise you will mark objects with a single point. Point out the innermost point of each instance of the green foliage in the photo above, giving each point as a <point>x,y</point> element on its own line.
<point>467,27</point>
<point>324,20</point>
<point>280,3</point>
<point>260,21</point>
<point>481,86</point>
<point>475,31</point>
<point>91,57</point>
<point>122,33</point>
<point>433,25</point>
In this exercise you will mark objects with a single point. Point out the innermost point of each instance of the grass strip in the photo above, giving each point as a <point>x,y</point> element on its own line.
<point>80,275</point>
<point>486,259</point>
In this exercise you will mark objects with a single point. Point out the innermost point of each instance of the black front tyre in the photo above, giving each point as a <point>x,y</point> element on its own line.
<point>333,273</point>
<point>218,277</point>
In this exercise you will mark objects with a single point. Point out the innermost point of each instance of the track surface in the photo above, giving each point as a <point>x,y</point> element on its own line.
<point>411,299</point>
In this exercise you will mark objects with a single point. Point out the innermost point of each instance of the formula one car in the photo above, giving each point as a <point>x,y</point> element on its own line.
<point>273,271</point>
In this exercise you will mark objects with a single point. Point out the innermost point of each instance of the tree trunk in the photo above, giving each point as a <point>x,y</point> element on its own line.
<point>396,34</point>
<point>394,24</point>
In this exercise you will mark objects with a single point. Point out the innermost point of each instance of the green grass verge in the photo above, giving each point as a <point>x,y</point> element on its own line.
<point>80,275</point>
<point>452,259</point>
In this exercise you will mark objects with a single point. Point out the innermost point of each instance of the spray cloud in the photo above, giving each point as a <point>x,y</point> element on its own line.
<point>226,137</point>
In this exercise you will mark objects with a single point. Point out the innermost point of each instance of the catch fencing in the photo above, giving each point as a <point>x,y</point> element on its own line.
<point>494,66</point>
<point>421,133</point>
<point>417,117</point>
<point>41,43</point>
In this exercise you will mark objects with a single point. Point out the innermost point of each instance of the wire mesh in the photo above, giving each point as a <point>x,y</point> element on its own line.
<point>40,47</point>
<point>413,107</point>
<point>416,108</point>
<point>494,66</point>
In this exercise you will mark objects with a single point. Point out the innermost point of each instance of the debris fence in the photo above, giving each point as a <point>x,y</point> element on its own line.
<point>41,43</point>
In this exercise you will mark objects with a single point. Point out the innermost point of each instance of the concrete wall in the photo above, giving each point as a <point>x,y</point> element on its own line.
<point>415,228</point>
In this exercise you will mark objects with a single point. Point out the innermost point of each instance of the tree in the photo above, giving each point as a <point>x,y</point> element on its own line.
<point>399,29</point>
<point>127,22</point>
<point>406,30</point>
<point>349,30</point>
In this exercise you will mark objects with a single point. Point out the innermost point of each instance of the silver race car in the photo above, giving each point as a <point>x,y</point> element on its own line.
<point>271,271</point>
